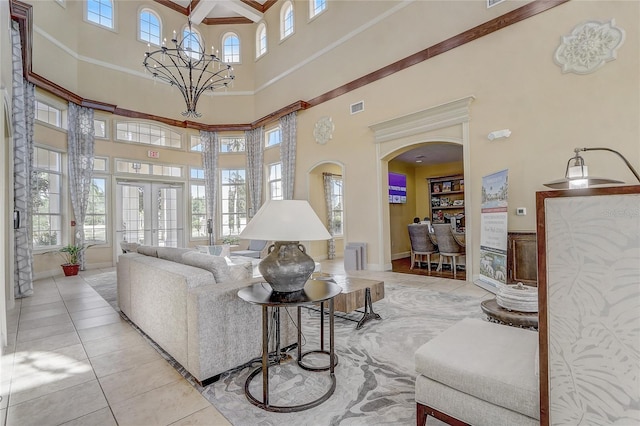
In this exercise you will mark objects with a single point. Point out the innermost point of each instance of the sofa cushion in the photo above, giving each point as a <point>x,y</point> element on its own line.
<point>148,250</point>
<point>172,253</point>
<point>223,250</point>
<point>215,264</point>
<point>492,362</point>
<point>240,271</point>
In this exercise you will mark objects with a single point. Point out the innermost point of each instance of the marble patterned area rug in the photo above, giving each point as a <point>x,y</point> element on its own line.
<point>375,374</point>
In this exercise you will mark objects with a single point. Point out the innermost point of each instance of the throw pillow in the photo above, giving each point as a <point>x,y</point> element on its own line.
<point>240,272</point>
<point>217,250</point>
<point>217,265</point>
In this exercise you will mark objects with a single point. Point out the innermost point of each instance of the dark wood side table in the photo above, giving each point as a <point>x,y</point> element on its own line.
<point>498,314</point>
<point>314,292</point>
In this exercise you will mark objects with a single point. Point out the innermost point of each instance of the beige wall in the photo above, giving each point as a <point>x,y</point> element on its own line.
<point>510,74</point>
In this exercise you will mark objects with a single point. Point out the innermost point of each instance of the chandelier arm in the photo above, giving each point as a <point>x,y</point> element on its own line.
<point>635,173</point>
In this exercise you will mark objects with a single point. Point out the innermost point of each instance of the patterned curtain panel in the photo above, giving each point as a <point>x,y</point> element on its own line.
<point>255,154</point>
<point>80,146</point>
<point>331,243</point>
<point>211,146</point>
<point>22,121</point>
<point>288,154</point>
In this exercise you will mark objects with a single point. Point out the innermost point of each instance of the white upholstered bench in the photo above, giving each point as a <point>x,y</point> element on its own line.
<point>479,373</point>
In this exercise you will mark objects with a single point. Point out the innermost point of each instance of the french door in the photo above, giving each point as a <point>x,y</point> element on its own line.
<point>149,213</point>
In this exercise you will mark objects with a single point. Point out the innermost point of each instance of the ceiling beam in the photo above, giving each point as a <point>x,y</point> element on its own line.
<point>202,9</point>
<point>244,10</point>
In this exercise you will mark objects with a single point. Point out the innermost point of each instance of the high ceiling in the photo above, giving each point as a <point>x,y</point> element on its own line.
<point>220,11</point>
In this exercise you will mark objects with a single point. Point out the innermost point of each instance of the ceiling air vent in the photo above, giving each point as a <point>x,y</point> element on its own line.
<point>357,107</point>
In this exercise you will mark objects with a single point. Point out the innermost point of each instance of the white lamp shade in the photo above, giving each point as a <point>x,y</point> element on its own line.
<point>285,220</point>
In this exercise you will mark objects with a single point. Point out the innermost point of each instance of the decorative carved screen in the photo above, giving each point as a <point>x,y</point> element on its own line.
<point>589,299</point>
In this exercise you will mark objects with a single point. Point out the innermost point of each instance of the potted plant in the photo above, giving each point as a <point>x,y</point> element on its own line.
<point>70,253</point>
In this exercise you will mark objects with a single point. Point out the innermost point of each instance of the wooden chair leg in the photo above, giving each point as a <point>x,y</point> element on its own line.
<point>421,415</point>
<point>424,411</point>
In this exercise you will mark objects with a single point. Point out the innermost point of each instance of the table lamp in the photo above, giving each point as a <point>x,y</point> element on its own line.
<point>286,222</point>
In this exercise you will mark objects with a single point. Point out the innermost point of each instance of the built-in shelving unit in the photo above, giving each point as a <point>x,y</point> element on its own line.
<point>446,195</point>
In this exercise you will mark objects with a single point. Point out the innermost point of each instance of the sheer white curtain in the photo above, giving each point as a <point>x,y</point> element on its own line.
<point>80,147</point>
<point>328,192</point>
<point>255,158</point>
<point>288,154</point>
<point>211,147</point>
<point>22,116</point>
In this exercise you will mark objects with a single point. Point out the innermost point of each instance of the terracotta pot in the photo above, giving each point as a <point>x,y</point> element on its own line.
<point>70,270</point>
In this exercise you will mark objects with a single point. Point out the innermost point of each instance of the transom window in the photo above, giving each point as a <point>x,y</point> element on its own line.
<point>195,144</point>
<point>233,144</point>
<point>100,128</point>
<point>316,7</point>
<point>100,12</point>
<point>275,181</point>
<point>286,20</point>
<point>231,48</point>
<point>48,114</point>
<point>273,137</point>
<point>261,40</point>
<point>234,201</point>
<point>130,166</point>
<point>151,134</point>
<point>46,185</point>
<point>150,28</point>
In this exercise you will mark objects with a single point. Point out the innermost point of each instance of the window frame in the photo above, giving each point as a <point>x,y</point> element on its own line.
<point>313,11</point>
<point>267,135</point>
<point>150,125</point>
<point>221,209</point>
<point>106,127</point>
<point>341,203</point>
<point>157,16</point>
<point>199,39</point>
<point>61,238</point>
<point>105,242</point>
<point>112,3</point>
<point>275,184</point>
<point>262,26</point>
<point>50,106</point>
<point>226,36</point>
<point>287,7</point>
<point>222,144</point>
<point>200,184</point>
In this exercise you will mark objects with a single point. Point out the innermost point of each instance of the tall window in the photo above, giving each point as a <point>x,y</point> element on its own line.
<point>46,192</point>
<point>198,203</point>
<point>95,222</point>
<point>316,7</point>
<point>231,48</point>
<point>273,137</point>
<point>286,20</point>
<point>48,114</point>
<point>100,12</point>
<point>275,181</point>
<point>337,205</point>
<point>261,40</point>
<point>150,29</point>
<point>234,201</point>
<point>192,42</point>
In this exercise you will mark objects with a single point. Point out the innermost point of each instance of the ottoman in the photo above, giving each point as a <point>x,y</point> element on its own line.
<point>479,373</point>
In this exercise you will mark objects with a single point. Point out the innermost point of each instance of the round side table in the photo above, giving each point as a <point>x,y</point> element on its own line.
<point>498,314</point>
<point>313,292</point>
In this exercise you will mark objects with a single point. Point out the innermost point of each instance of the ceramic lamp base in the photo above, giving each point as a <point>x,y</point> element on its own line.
<point>287,267</point>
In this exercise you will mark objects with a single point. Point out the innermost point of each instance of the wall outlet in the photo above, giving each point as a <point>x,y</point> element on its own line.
<point>521,211</point>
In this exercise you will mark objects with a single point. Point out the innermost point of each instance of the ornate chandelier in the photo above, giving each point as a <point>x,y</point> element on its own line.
<point>192,71</point>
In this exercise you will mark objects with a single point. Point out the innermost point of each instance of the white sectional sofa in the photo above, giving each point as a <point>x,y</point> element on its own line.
<point>187,303</point>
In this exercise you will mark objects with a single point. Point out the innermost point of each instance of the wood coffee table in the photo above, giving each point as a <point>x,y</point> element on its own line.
<point>498,314</point>
<point>357,293</point>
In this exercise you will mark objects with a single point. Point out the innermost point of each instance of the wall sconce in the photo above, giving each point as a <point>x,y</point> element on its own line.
<point>497,134</point>
<point>577,175</point>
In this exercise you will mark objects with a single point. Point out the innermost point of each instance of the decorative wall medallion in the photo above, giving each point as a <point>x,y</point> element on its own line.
<point>323,130</point>
<point>589,46</point>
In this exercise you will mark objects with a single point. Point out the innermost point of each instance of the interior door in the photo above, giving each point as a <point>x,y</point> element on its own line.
<point>149,213</point>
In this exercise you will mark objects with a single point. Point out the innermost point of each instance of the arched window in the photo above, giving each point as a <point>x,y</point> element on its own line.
<point>261,40</point>
<point>100,12</point>
<point>150,28</point>
<point>231,48</point>
<point>286,20</point>
<point>316,7</point>
<point>192,42</point>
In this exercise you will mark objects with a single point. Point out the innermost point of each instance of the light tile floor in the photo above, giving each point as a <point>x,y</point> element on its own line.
<point>72,360</point>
